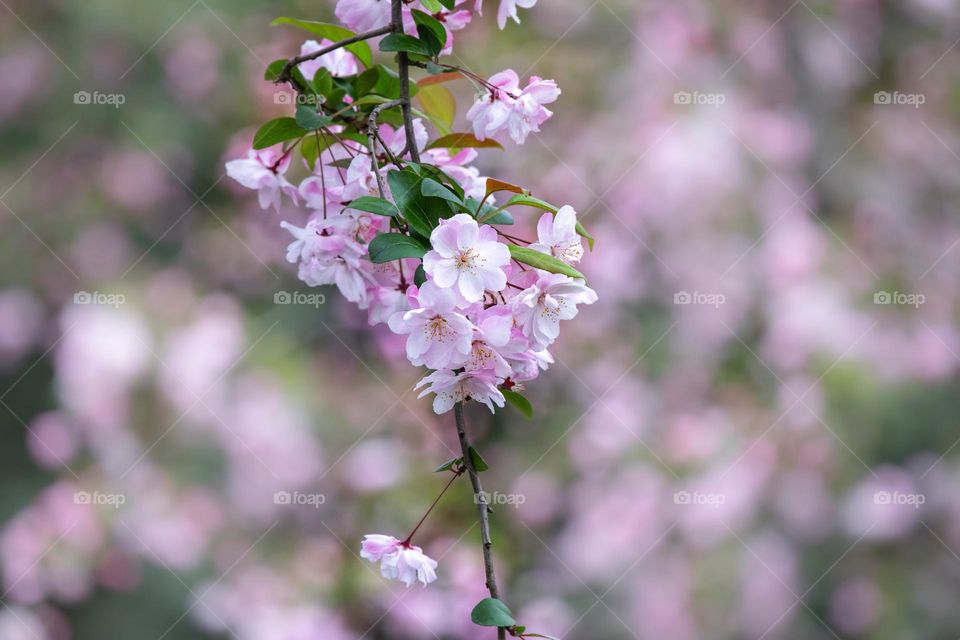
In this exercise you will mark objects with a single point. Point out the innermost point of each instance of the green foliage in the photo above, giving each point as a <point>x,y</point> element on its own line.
<point>534,258</point>
<point>401,42</point>
<point>277,130</point>
<point>378,206</point>
<point>332,32</point>
<point>491,612</point>
<point>519,402</point>
<point>387,247</point>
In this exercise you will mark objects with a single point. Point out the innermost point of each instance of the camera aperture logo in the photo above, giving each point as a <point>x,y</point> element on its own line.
<point>898,98</point>
<point>899,298</point>
<point>697,498</point>
<point>299,298</point>
<point>97,98</point>
<point>714,100</point>
<point>115,500</point>
<point>99,298</point>
<point>899,498</point>
<point>298,498</point>
<point>496,498</point>
<point>699,298</point>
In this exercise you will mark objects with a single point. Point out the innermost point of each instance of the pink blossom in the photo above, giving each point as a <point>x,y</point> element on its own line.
<point>507,108</point>
<point>468,257</point>
<point>552,298</point>
<point>263,170</point>
<point>557,236</point>
<point>339,63</point>
<point>451,388</point>
<point>328,253</point>
<point>439,337</point>
<point>399,560</point>
<point>492,332</point>
<point>363,15</point>
<point>508,9</point>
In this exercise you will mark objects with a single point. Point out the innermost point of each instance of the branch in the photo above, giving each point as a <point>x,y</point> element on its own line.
<point>482,506</point>
<point>372,135</point>
<point>292,62</point>
<point>403,68</point>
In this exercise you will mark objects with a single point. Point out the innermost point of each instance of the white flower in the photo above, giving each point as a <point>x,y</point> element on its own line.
<point>557,236</point>
<point>452,388</point>
<point>439,337</point>
<point>340,62</point>
<point>329,254</point>
<point>467,257</point>
<point>263,170</point>
<point>399,560</point>
<point>540,308</point>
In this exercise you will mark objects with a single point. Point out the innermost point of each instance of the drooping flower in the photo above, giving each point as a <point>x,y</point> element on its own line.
<point>399,560</point>
<point>340,62</point>
<point>329,253</point>
<point>363,15</point>
<point>439,336</point>
<point>505,107</point>
<point>508,9</point>
<point>540,308</point>
<point>451,388</point>
<point>557,236</point>
<point>467,257</point>
<point>263,171</point>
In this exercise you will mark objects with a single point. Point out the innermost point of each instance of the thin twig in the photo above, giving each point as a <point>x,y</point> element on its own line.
<point>482,507</point>
<point>372,135</point>
<point>403,68</point>
<point>285,76</point>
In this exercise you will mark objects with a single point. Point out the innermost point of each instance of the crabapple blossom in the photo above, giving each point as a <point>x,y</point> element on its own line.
<point>491,333</point>
<point>340,62</point>
<point>328,253</point>
<point>399,560</point>
<point>363,15</point>
<point>505,107</point>
<point>557,236</point>
<point>508,9</point>
<point>263,171</point>
<point>451,388</point>
<point>467,257</point>
<point>540,308</point>
<point>439,336</point>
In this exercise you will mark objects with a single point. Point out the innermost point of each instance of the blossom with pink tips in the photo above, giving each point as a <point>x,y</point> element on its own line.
<point>439,336</point>
<point>451,388</point>
<point>340,62</point>
<point>329,253</point>
<point>557,236</point>
<point>263,171</point>
<point>552,298</point>
<point>467,257</point>
<point>507,108</point>
<point>399,560</point>
<point>363,15</point>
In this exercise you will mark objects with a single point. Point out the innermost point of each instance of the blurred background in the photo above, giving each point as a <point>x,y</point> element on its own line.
<point>752,435</point>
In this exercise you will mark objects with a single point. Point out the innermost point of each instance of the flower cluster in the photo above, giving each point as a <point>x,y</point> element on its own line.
<point>365,15</point>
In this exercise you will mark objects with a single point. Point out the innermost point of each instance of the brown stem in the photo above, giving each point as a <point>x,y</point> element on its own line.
<point>403,69</point>
<point>482,507</point>
<point>292,62</point>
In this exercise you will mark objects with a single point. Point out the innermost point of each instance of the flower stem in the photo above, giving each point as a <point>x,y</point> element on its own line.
<point>456,474</point>
<point>482,507</point>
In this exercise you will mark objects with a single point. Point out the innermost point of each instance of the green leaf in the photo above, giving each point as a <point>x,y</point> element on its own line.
<point>309,119</point>
<point>448,465</point>
<point>463,141</point>
<point>332,32</point>
<point>277,130</point>
<point>530,201</point>
<point>479,464</point>
<point>431,187</point>
<point>519,402</point>
<point>323,81</point>
<point>423,213</point>
<point>379,80</point>
<point>403,42</point>
<point>392,246</point>
<point>583,232</point>
<point>378,206</point>
<point>439,105</point>
<point>431,31</point>
<point>489,214</point>
<point>491,612</point>
<point>419,276</point>
<point>433,6</point>
<point>543,261</point>
<point>449,4</point>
